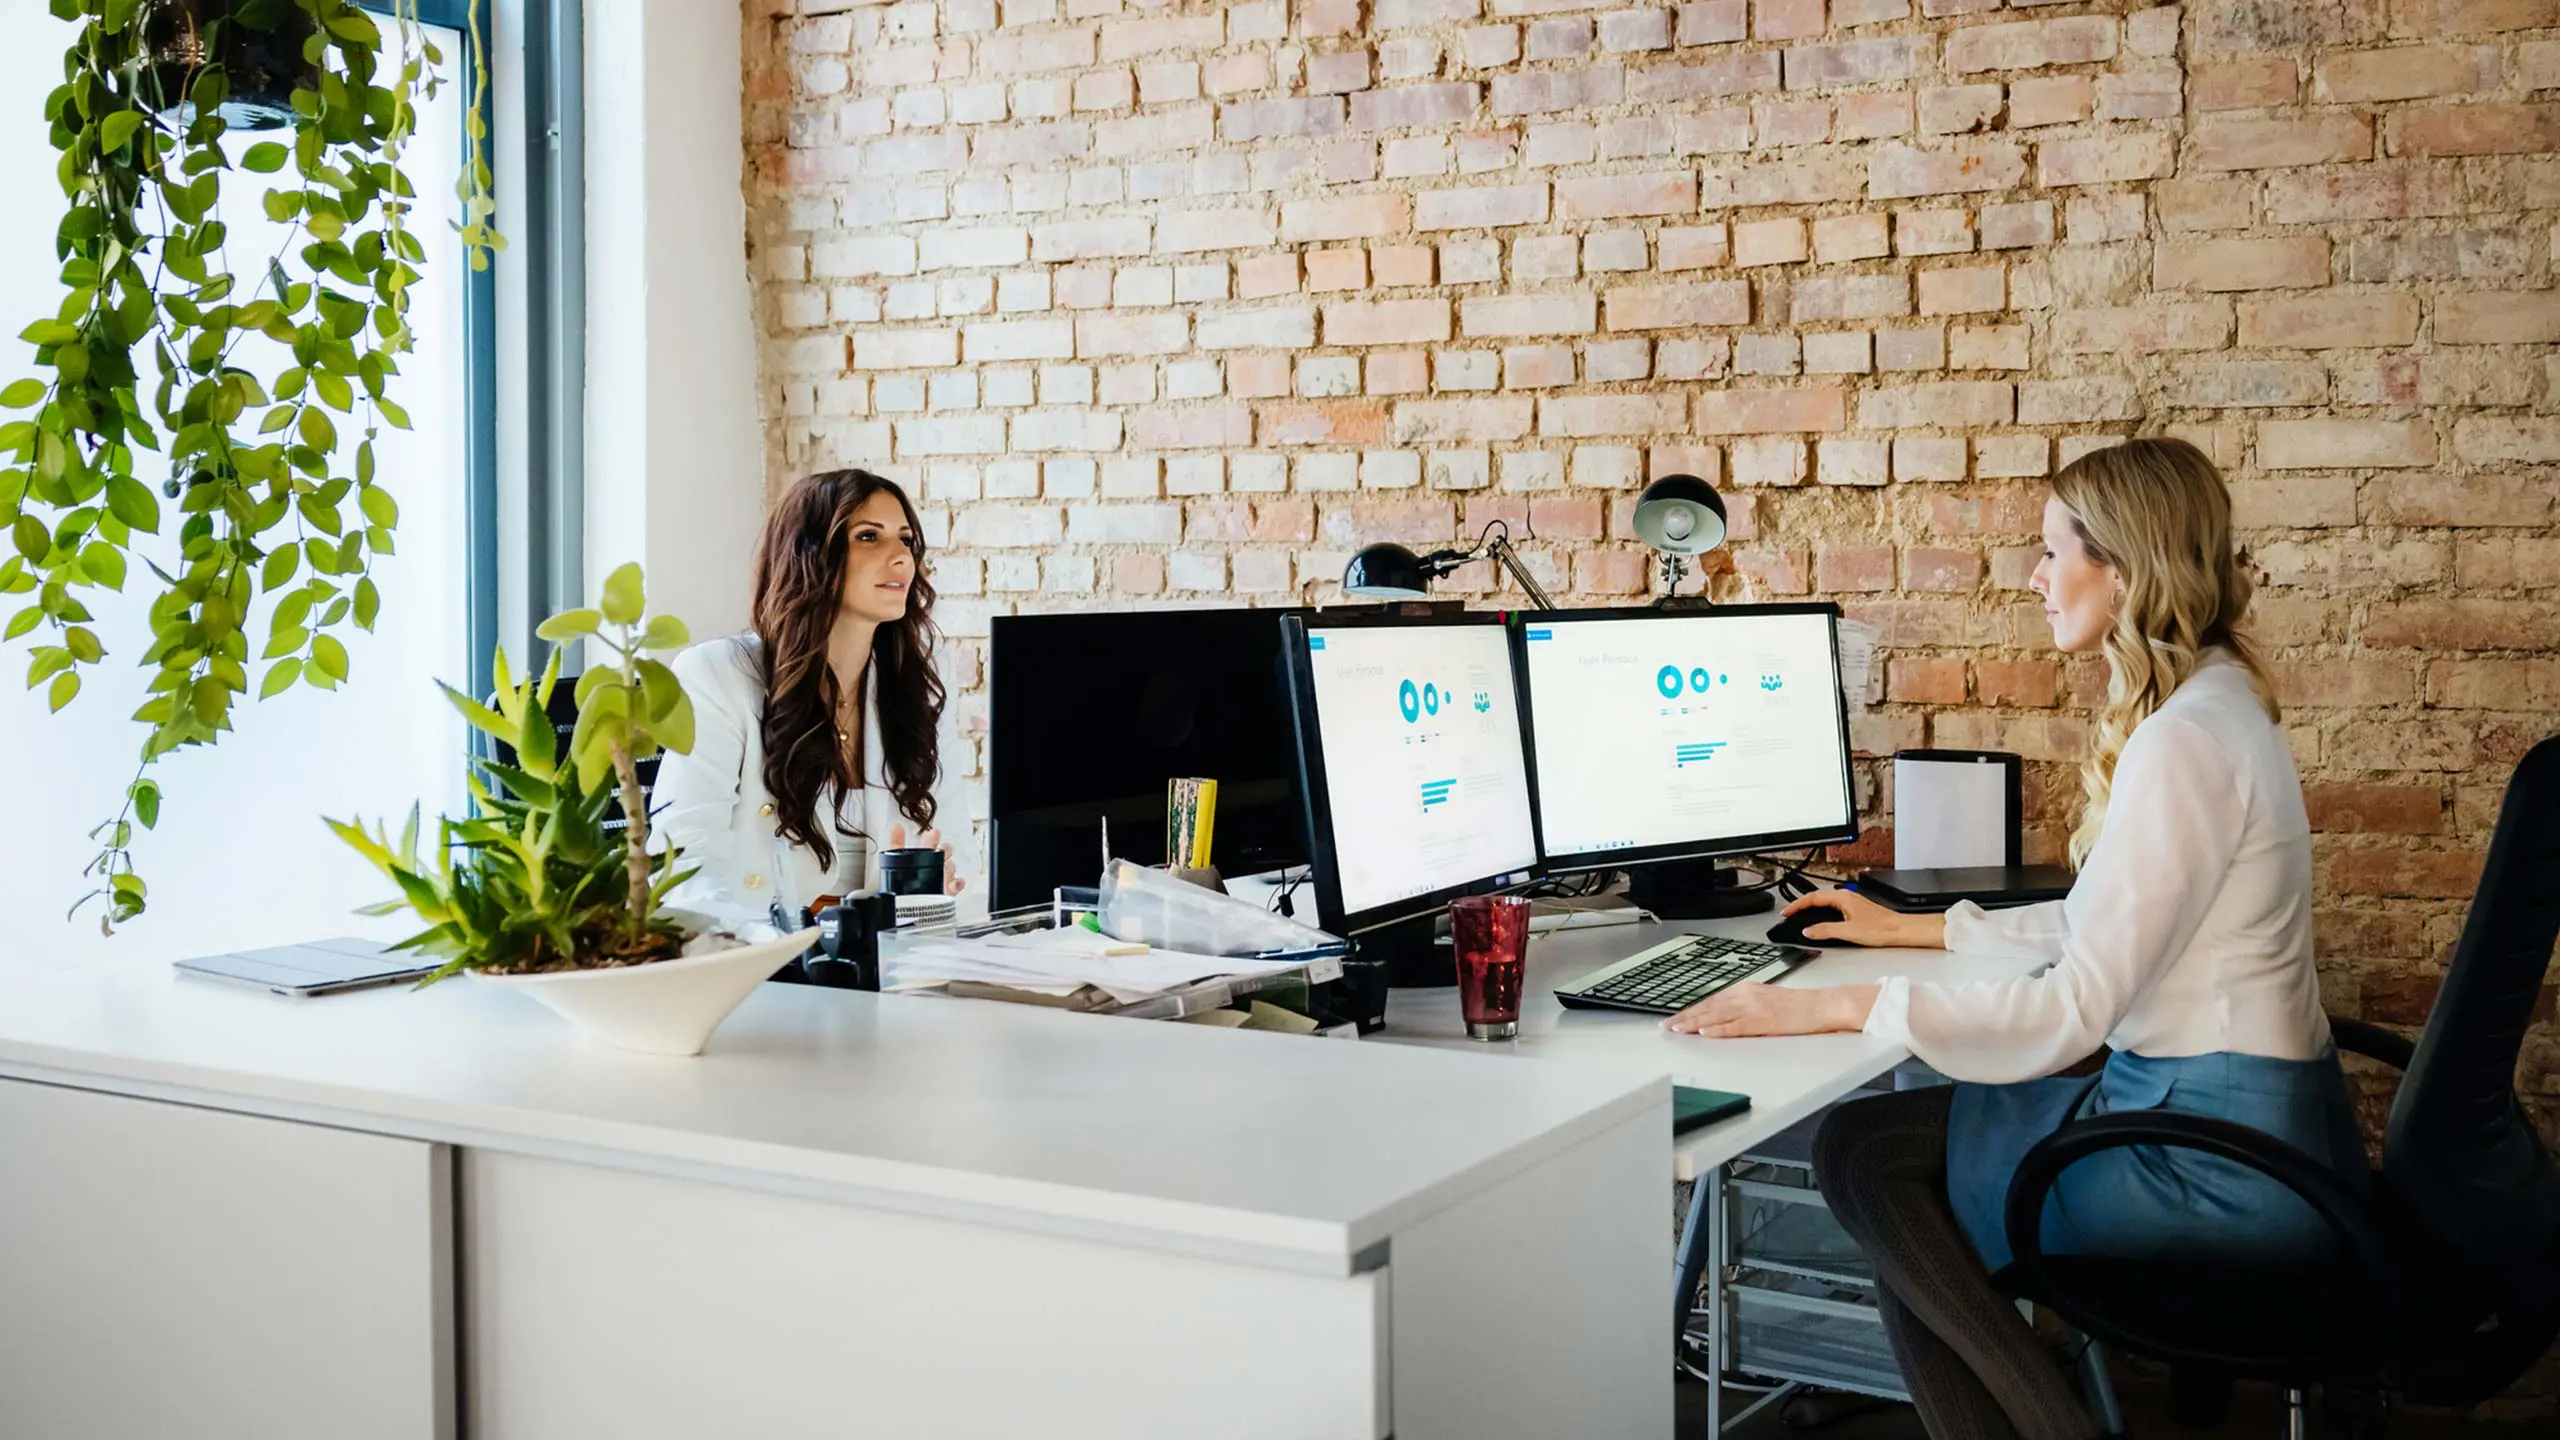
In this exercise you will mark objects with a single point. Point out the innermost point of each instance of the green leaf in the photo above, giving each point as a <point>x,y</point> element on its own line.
<point>659,689</point>
<point>569,624</point>
<point>290,611</point>
<point>285,642</point>
<point>675,730</point>
<point>22,622</point>
<point>117,129</point>
<point>368,602</point>
<point>146,802</point>
<point>265,158</point>
<point>623,597</point>
<point>330,656</point>
<point>129,501</point>
<point>280,677</point>
<point>497,725</point>
<point>317,432</point>
<point>21,394</point>
<point>665,632</point>
<point>104,564</point>
<point>34,541</point>
<point>65,685</point>
<point>378,506</point>
<point>279,570</point>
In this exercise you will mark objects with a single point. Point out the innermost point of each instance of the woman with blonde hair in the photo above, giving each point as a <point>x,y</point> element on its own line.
<point>2185,946</point>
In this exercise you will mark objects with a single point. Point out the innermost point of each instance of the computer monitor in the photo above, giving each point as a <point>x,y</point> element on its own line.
<point>1669,734</point>
<point>1088,715</point>
<point>1411,766</point>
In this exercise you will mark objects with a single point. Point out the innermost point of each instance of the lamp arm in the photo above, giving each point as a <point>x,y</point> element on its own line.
<point>1509,559</point>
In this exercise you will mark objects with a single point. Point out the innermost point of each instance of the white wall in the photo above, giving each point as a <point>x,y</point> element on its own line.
<point>675,460</point>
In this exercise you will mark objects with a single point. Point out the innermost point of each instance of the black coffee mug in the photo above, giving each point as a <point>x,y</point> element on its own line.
<point>911,871</point>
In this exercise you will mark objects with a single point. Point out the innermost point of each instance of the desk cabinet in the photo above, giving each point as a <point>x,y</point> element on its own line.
<point>173,1271</point>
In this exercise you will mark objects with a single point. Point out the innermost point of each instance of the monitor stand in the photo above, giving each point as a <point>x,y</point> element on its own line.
<point>1413,959</point>
<point>1694,890</point>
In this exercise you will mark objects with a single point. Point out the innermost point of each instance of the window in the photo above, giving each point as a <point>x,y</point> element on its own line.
<point>240,857</point>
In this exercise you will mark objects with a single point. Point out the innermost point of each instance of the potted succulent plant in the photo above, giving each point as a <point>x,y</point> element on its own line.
<point>535,891</point>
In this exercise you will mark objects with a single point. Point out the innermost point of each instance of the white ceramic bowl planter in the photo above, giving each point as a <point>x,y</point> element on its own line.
<point>666,1007</point>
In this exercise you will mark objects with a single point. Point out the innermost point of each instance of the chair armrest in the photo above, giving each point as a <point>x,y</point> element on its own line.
<point>2361,1037</point>
<point>2314,1183</point>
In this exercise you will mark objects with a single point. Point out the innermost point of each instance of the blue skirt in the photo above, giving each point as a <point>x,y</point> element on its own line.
<point>2148,1201</point>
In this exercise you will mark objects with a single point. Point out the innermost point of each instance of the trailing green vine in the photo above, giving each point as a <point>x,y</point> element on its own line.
<point>145,356</point>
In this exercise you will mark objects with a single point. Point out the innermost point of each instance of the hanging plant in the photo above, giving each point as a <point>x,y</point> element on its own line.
<point>156,416</point>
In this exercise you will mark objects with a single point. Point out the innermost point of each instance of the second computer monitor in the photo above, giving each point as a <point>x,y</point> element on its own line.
<point>1665,734</point>
<point>1412,768</point>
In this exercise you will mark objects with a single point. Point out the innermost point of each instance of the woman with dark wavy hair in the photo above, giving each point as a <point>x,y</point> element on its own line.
<point>835,682</point>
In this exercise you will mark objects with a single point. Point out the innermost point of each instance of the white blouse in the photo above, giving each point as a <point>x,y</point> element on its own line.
<point>2188,932</point>
<point>712,804</point>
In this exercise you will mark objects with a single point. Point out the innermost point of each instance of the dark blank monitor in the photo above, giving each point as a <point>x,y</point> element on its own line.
<point>1089,715</point>
<point>1413,771</point>
<point>1667,734</point>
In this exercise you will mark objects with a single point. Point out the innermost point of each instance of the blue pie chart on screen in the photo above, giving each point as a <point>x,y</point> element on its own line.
<point>1668,682</point>
<point>1698,680</point>
<point>1409,700</point>
<point>1431,698</point>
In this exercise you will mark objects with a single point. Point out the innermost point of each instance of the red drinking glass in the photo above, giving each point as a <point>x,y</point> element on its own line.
<point>1491,936</point>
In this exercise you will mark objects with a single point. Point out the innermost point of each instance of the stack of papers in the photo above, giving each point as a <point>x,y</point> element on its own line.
<point>1060,962</point>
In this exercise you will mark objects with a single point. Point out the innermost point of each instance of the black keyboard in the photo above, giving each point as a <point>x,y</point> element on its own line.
<point>1677,974</point>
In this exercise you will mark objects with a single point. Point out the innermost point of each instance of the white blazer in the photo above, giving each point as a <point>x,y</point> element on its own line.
<point>2187,933</point>
<point>712,804</point>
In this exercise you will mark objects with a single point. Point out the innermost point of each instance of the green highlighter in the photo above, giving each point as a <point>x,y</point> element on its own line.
<point>1691,1108</point>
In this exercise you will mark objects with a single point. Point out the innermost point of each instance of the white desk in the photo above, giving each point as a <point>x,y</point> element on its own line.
<point>1787,1079</point>
<point>226,1213</point>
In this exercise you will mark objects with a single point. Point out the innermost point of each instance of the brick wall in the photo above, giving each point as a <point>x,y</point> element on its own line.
<point>1161,304</point>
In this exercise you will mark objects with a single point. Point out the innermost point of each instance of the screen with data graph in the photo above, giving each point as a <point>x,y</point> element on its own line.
<point>1424,782</point>
<point>1660,734</point>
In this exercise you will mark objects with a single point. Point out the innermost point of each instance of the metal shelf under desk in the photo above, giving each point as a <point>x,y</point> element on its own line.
<point>1789,1298</point>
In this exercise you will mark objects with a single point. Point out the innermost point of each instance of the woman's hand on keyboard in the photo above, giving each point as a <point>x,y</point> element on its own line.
<point>1755,1009</point>
<point>1864,922</point>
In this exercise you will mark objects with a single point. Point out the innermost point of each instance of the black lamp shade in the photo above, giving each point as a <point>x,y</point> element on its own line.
<point>1386,572</point>
<point>1680,515</point>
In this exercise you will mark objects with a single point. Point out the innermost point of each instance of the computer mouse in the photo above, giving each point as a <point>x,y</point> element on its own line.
<point>1790,931</point>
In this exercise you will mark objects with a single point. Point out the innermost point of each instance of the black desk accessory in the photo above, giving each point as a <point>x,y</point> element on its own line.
<point>1692,1107</point>
<point>1790,931</point>
<point>1915,892</point>
<point>847,955</point>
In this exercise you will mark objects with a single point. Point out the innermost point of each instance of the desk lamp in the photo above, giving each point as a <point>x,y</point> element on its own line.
<point>1679,516</point>
<point>1391,572</point>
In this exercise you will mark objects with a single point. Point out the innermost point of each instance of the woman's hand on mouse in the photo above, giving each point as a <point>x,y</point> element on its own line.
<point>1864,922</point>
<point>930,840</point>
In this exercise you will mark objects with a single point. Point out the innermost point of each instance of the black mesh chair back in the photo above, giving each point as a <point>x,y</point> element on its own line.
<point>2461,1160</point>
<point>2446,1287</point>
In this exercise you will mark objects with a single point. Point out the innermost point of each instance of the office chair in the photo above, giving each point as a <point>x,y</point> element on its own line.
<point>2446,1286</point>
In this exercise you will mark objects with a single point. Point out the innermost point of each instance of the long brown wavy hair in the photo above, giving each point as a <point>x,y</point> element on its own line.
<point>799,583</point>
